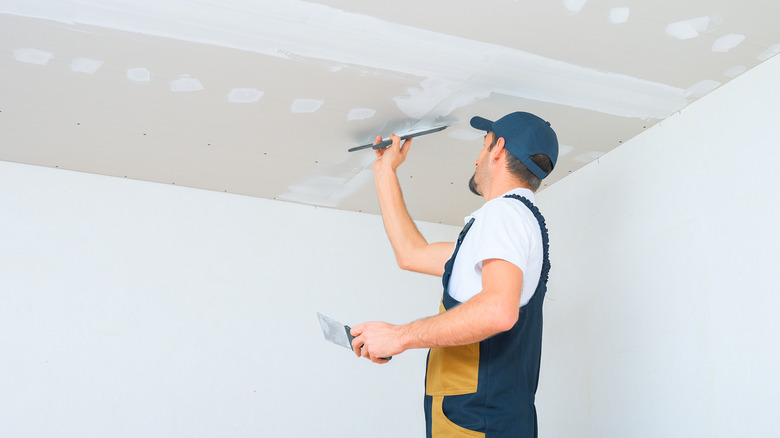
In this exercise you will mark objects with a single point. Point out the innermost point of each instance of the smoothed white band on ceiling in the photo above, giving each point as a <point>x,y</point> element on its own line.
<point>452,68</point>
<point>587,157</point>
<point>770,52</point>
<point>703,88</point>
<point>333,183</point>
<point>735,71</point>
<point>564,149</point>
<point>465,134</point>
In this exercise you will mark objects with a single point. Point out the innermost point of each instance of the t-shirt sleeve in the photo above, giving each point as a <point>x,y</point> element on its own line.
<point>502,234</point>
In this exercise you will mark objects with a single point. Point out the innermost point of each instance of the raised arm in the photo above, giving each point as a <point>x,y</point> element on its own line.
<point>412,251</point>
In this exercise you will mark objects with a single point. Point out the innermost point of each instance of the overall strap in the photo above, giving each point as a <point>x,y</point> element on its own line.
<point>545,236</point>
<point>445,279</point>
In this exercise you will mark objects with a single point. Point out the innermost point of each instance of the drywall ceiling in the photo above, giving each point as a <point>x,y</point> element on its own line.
<point>263,98</point>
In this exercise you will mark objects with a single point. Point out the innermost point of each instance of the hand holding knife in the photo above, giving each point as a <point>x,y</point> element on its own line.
<point>338,333</point>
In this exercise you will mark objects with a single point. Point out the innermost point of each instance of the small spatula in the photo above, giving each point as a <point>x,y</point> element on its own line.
<point>337,332</point>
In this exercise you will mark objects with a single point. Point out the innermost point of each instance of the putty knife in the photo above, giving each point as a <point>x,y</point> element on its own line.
<point>337,332</point>
<point>388,142</point>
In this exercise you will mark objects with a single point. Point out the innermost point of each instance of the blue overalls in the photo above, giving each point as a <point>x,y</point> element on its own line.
<point>487,389</point>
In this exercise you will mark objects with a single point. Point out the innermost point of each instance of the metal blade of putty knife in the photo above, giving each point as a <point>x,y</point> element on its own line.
<point>388,142</point>
<point>335,331</point>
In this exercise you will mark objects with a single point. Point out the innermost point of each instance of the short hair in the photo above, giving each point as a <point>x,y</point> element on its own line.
<point>518,169</point>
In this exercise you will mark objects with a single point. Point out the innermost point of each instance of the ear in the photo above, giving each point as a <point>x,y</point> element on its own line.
<point>498,149</point>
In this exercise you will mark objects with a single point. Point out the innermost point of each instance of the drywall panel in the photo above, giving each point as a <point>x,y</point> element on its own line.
<point>661,311</point>
<point>138,309</point>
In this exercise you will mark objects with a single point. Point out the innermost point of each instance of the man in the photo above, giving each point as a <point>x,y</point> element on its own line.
<point>483,366</point>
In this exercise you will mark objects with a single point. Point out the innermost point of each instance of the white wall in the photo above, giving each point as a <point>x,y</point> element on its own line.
<point>137,309</point>
<point>662,313</point>
<point>131,309</point>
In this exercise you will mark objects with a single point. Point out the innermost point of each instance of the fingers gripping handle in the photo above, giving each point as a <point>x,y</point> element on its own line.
<point>350,337</point>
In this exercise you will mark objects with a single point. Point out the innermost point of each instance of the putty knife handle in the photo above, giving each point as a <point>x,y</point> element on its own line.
<point>380,145</point>
<point>350,337</point>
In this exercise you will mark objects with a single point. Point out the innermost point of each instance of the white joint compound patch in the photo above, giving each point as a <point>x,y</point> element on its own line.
<point>33,56</point>
<point>186,83</point>
<point>86,65</point>
<point>574,6</point>
<point>244,95</point>
<point>727,42</point>
<point>618,15</point>
<point>360,114</point>
<point>688,29</point>
<point>305,105</point>
<point>139,74</point>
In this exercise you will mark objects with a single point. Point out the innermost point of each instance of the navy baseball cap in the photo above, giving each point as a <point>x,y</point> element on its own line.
<point>524,135</point>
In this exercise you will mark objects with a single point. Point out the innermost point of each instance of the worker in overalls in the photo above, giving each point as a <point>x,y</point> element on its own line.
<point>485,343</point>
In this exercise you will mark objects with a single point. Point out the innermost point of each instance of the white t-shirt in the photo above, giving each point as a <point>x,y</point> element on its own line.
<point>504,228</point>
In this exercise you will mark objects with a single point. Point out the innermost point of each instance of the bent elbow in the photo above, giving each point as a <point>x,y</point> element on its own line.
<point>404,263</point>
<point>505,321</point>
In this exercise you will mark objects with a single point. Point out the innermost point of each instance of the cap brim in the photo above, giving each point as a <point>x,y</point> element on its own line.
<point>481,123</point>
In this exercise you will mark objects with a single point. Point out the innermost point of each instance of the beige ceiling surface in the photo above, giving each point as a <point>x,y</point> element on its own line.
<point>264,98</point>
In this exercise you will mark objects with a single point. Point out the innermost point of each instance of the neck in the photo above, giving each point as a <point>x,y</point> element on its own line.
<point>502,184</point>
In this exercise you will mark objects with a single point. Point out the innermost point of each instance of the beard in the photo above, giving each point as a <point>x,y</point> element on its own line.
<point>473,185</point>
